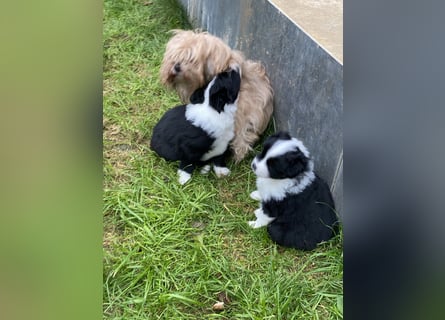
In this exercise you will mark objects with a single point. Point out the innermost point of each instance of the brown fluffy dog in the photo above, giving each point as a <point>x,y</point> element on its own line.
<point>193,58</point>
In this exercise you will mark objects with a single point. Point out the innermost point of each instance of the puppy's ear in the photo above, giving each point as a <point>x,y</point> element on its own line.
<point>197,96</point>
<point>224,89</point>
<point>218,92</point>
<point>288,165</point>
<point>233,86</point>
<point>218,99</point>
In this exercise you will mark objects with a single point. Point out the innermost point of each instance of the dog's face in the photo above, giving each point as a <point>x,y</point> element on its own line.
<point>180,72</point>
<point>192,59</point>
<point>183,67</point>
<point>222,90</point>
<point>282,157</point>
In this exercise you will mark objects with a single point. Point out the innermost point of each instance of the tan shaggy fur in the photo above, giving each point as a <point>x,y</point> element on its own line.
<point>193,58</point>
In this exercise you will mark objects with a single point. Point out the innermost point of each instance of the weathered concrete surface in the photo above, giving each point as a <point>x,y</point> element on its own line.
<point>307,80</point>
<point>321,19</point>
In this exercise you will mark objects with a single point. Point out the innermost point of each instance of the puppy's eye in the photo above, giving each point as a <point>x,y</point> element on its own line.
<point>177,67</point>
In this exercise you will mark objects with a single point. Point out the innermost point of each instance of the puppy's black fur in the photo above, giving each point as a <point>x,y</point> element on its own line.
<point>303,220</point>
<point>304,217</point>
<point>177,138</point>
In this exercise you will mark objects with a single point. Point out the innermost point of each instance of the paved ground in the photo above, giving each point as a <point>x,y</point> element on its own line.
<point>322,19</point>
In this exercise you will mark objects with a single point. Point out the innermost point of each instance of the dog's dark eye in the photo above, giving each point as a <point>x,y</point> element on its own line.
<point>177,67</point>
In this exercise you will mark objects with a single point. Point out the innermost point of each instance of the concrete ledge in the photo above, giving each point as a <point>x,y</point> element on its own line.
<point>321,19</point>
<point>307,80</point>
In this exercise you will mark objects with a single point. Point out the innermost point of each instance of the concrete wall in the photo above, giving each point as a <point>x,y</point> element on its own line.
<point>307,81</point>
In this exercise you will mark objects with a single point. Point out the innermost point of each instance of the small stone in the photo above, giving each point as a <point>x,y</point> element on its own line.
<point>218,306</point>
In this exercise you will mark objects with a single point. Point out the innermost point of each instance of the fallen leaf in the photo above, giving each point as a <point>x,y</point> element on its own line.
<point>223,297</point>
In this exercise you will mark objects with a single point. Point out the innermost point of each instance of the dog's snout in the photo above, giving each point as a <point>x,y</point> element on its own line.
<point>177,67</point>
<point>253,166</point>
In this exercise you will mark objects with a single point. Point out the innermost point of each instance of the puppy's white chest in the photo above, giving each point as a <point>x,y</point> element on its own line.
<point>272,189</point>
<point>276,189</point>
<point>219,126</point>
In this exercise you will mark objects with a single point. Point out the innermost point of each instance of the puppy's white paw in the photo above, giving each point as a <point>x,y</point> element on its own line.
<point>183,177</point>
<point>205,169</point>
<point>262,219</point>
<point>221,171</point>
<point>252,224</point>
<point>255,195</point>
<point>259,213</point>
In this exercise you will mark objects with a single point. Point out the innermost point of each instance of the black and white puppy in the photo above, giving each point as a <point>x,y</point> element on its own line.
<point>198,134</point>
<point>296,204</point>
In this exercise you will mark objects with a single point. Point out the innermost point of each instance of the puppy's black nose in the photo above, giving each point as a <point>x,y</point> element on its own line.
<point>253,166</point>
<point>177,67</point>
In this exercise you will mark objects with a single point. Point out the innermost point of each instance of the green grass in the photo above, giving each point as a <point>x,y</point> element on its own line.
<point>171,250</point>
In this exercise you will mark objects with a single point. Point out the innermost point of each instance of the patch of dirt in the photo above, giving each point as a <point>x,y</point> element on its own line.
<point>111,131</point>
<point>108,237</point>
<point>235,247</point>
<point>198,224</point>
<point>117,152</point>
